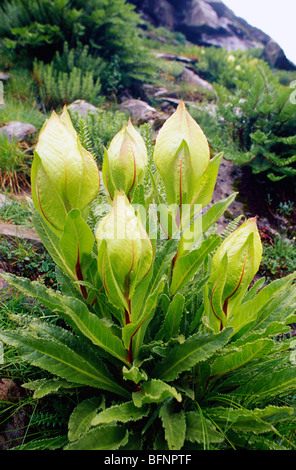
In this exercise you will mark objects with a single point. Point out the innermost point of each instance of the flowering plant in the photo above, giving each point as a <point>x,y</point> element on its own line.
<point>160,320</point>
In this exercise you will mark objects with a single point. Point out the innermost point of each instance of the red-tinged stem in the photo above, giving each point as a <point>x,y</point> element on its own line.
<point>80,276</point>
<point>127,322</point>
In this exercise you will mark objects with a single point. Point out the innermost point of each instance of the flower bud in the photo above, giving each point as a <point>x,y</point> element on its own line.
<point>124,245</point>
<point>125,161</point>
<point>64,175</point>
<point>181,156</point>
<point>244,253</point>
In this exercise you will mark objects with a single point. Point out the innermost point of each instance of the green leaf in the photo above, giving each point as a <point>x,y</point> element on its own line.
<point>110,437</point>
<point>112,288</point>
<point>82,416</point>
<point>134,374</point>
<point>265,307</point>
<point>94,328</point>
<point>246,353</point>
<point>182,357</point>
<point>50,241</point>
<point>46,197</point>
<point>122,413</point>
<point>201,430</point>
<point>207,183</point>
<point>187,264</point>
<point>254,421</point>
<point>75,312</point>
<point>76,243</point>
<point>173,318</point>
<point>216,211</point>
<point>213,298</point>
<point>45,387</point>
<point>63,354</point>
<point>154,391</point>
<point>274,383</point>
<point>51,443</point>
<point>136,331</point>
<point>174,425</point>
<point>143,308</point>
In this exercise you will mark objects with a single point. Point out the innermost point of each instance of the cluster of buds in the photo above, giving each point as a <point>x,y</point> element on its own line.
<point>65,177</point>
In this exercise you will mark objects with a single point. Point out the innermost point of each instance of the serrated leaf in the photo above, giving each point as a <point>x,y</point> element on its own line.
<point>110,437</point>
<point>94,328</point>
<point>174,425</point>
<point>173,318</point>
<point>134,374</point>
<point>60,352</point>
<point>51,443</point>
<point>45,387</point>
<point>254,421</point>
<point>276,383</point>
<point>122,413</point>
<point>76,314</point>
<point>246,353</point>
<point>201,430</point>
<point>154,391</point>
<point>82,416</point>
<point>197,348</point>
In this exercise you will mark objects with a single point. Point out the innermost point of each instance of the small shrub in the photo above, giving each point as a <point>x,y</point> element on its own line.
<point>279,258</point>
<point>258,125</point>
<point>97,130</point>
<point>59,88</point>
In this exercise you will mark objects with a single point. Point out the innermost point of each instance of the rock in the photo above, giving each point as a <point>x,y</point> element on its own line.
<point>276,57</point>
<point>192,78</point>
<point>205,23</point>
<point>4,76</point>
<point>3,284</point>
<point>4,201</point>
<point>13,429</point>
<point>141,112</point>
<point>15,231</point>
<point>82,107</point>
<point>176,58</point>
<point>18,130</point>
<point>228,173</point>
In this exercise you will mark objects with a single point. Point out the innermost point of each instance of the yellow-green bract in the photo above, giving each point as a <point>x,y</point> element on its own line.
<point>181,156</point>
<point>124,249</point>
<point>125,161</point>
<point>243,249</point>
<point>64,175</point>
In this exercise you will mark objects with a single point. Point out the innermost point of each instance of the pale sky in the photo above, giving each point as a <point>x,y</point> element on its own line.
<point>277,18</point>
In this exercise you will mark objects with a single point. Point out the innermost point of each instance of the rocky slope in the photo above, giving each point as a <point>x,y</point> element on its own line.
<point>211,23</point>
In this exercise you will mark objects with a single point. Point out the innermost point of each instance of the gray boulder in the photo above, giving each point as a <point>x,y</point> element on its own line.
<point>82,107</point>
<point>193,78</point>
<point>18,130</point>
<point>140,112</point>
